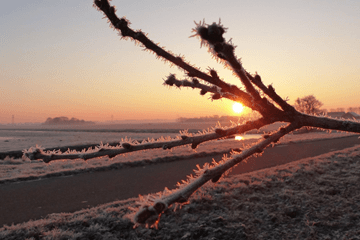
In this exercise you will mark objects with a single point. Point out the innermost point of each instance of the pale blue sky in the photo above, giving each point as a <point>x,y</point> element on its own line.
<point>60,58</point>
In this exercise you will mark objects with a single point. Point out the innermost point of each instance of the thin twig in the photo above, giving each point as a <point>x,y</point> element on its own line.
<point>270,91</point>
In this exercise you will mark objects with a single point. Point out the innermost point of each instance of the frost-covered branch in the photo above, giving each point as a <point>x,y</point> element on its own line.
<point>212,35</point>
<point>241,96</point>
<point>126,147</point>
<point>270,91</point>
<point>123,26</point>
<point>257,96</point>
<point>153,206</point>
<point>329,123</point>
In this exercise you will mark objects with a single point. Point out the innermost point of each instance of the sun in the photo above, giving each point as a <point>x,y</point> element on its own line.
<point>238,107</point>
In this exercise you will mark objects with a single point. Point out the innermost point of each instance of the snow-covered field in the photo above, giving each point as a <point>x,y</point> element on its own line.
<point>24,137</point>
<point>22,169</point>
<point>13,140</point>
<point>314,198</point>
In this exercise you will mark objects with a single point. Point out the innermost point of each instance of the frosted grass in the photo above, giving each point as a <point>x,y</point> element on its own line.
<point>312,198</point>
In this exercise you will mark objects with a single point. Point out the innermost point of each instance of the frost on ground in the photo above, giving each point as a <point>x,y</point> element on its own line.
<point>24,169</point>
<point>313,198</point>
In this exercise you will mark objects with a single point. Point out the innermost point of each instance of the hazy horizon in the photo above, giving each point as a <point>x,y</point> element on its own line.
<point>62,59</point>
<point>121,121</point>
<point>103,122</point>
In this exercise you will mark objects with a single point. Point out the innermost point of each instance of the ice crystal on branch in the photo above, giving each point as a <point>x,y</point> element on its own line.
<point>211,33</point>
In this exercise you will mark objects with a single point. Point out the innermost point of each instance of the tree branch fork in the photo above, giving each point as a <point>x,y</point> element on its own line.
<point>257,96</point>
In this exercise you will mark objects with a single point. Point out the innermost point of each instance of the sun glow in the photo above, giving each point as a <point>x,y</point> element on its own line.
<point>238,107</point>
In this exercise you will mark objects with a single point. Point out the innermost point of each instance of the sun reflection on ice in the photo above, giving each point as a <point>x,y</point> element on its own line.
<point>239,138</point>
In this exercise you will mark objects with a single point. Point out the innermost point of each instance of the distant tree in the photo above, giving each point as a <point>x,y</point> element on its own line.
<point>354,109</point>
<point>65,121</point>
<point>309,105</point>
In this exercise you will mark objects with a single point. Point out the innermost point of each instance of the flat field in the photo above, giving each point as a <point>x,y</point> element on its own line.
<point>313,198</point>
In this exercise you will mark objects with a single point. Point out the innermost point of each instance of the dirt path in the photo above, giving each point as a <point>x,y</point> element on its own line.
<point>23,201</point>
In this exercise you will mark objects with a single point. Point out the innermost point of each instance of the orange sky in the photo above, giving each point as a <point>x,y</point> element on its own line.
<point>60,58</point>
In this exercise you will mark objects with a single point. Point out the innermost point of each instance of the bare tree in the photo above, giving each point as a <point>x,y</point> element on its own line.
<point>309,105</point>
<point>257,96</point>
<point>354,109</point>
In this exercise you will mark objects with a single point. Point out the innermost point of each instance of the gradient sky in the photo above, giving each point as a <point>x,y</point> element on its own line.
<point>60,58</point>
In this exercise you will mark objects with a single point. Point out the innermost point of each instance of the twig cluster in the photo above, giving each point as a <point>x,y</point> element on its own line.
<point>257,96</point>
